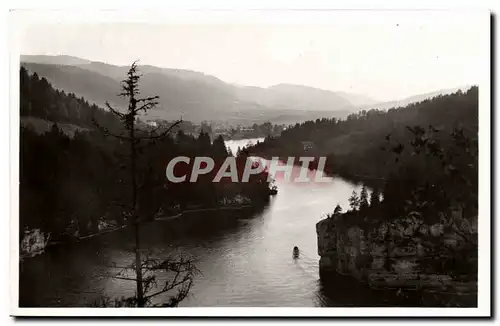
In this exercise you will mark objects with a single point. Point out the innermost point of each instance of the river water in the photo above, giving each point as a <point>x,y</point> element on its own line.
<point>245,257</point>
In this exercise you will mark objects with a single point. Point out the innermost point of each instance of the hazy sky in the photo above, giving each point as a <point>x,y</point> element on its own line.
<point>386,61</point>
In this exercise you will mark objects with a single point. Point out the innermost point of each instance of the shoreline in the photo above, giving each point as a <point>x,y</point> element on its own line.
<point>163,218</point>
<point>368,180</point>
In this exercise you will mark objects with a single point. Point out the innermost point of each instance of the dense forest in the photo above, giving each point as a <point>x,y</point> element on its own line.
<point>362,147</point>
<point>39,99</point>
<point>70,182</point>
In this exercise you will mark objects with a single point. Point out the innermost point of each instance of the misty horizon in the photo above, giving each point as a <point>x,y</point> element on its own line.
<point>375,100</point>
<point>365,59</point>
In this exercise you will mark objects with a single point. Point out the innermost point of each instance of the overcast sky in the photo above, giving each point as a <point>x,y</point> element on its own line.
<point>384,60</point>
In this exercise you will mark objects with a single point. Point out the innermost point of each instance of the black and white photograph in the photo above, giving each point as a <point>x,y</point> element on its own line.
<point>223,163</point>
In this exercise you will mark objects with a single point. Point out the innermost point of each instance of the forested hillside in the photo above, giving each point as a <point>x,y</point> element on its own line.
<point>192,95</point>
<point>69,184</point>
<point>363,145</point>
<point>39,99</point>
<point>196,96</point>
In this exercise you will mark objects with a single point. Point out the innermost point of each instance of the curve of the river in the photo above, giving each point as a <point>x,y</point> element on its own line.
<point>245,256</point>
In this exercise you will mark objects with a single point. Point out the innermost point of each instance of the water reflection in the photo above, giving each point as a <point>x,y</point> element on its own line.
<point>245,255</point>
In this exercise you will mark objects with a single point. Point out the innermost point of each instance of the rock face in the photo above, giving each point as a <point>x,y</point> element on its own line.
<point>33,243</point>
<point>370,253</point>
<point>347,251</point>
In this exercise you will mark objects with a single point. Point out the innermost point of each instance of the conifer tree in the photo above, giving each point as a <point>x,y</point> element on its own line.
<point>134,137</point>
<point>354,201</point>
<point>363,198</point>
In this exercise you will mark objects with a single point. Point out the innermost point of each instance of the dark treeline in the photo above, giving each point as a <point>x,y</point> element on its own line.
<point>359,147</point>
<point>39,99</point>
<point>71,182</point>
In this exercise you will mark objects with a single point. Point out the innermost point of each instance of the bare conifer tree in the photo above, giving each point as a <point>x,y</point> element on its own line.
<point>183,269</point>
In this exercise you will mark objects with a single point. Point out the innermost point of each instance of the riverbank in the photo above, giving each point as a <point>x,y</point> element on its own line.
<point>106,231</point>
<point>230,247</point>
<point>169,217</point>
<point>369,181</point>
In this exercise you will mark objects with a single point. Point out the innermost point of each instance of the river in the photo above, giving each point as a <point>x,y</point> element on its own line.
<point>245,256</point>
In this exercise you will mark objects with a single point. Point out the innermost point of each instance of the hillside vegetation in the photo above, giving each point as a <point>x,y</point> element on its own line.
<point>363,146</point>
<point>75,177</point>
<point>196,96</point>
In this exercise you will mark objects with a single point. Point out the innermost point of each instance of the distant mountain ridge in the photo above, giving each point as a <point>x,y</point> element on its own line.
<point>197,96</point>
<point>54,59</point>
<point>416,98</point>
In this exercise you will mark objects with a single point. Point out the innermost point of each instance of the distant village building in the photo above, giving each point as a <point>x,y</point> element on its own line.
<point>245,129</point>
<point>152,123</point>
<point>307,145</point>
<point>222,131</point>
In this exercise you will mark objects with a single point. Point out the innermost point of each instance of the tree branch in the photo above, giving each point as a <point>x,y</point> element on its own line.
<point>163,134</point>
<point>171,286</point>
<point>123,278</point>
<point>106,132</point>
<point>115,112</point>
<point>148,103</point>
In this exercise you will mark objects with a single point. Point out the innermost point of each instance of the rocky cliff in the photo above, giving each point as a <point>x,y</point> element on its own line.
<point>388,256</point>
